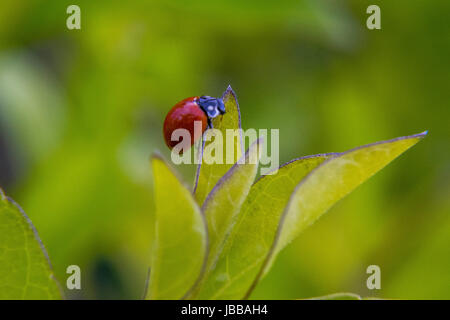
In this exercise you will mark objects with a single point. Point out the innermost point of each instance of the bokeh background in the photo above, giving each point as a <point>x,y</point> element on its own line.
<point>82,110</point>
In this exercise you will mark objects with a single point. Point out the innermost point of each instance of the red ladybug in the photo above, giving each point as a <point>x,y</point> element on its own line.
<point>185,112</point>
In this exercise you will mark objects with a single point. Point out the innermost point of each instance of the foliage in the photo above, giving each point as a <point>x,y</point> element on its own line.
<point>81,111</point>
<point>25,271</point>
<point>248,225</point>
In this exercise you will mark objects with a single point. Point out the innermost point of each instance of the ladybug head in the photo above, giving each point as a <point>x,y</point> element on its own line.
<point>211,106</point>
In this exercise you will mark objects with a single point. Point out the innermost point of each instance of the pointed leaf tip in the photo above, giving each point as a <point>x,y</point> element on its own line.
<point>26,257</point>
<point>229,90</point>
<point>209,174</point>
<point>327,184</point>
<point>279,207</point>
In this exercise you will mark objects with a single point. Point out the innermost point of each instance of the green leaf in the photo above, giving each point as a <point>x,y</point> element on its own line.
<point>343,296</point>
<point>209,174</point>
<point>225,200</point>
<point>250,240</point>
<point>333,180</point>
<point>180,246</point>
<point>338,296</point>
<point>25,271</point>
<point>262,231</point>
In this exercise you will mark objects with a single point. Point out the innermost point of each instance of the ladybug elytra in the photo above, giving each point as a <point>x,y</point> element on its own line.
<point>186,112</point>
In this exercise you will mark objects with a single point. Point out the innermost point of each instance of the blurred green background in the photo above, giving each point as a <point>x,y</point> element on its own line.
<point>82,110</point>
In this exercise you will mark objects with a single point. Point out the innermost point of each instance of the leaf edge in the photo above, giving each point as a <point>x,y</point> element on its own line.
<point>420,136</point>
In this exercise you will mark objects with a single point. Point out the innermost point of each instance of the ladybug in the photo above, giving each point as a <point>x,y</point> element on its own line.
<point>185,112</point>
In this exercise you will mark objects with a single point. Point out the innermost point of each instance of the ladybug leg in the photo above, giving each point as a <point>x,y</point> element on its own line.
<point>210,125</point>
